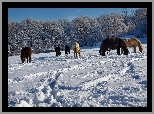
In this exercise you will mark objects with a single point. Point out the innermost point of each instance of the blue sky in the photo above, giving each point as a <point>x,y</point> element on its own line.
<point>19,14</point>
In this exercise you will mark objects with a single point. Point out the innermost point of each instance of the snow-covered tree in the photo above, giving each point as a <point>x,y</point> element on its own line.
<point>66,36</point>
<point>13,37</point>
<point>82,29</point>
<point>112,25</point>
<point>128,20</point>
<point>97,34</point>
<point>42,36</point>
<point>140,20</point>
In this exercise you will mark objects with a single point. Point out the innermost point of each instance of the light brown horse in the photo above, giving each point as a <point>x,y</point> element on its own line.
<point>26,54</point>
<point>76,49</point>
<point>133,42</point>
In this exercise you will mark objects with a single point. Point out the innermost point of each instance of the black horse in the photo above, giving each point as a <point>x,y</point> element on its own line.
<point>57,50</point>
<point>112,44</point>
<point>67,49</point>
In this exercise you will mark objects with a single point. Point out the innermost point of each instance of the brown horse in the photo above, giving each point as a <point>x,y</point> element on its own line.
<point>76,49</point>
<point>26,54</point>
<point>133,42</point>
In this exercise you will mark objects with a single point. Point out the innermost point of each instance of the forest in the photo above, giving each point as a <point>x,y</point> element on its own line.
<point>42,36</point>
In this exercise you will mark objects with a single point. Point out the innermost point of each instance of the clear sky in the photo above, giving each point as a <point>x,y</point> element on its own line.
<point>19,14</point>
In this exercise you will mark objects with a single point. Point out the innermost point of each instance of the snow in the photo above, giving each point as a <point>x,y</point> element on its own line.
<point>87,81</point>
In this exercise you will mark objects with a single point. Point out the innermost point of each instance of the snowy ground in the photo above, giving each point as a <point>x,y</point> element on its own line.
<point>87,81</point>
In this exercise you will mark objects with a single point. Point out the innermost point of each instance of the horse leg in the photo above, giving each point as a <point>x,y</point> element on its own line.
<point>122,51</point>
<point>29,58</point>
<point>22,61</point>
<point>126,51</point>
<point>118,51</point>
<point>74,53</point>
<point>134,49</point>
<point>79,52</point>
<point>103,52</point>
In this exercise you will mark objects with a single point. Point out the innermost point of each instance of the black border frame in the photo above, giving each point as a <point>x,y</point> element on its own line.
<point>6,5</point>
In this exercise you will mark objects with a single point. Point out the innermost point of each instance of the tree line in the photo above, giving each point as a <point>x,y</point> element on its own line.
<point>42,36</point>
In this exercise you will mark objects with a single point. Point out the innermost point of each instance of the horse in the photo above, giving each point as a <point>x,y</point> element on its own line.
<point>112,44</point>
<point>76,49</point>
<point>67,49</point>
<point>57,50</point>
<point>26,54</point>
<point>133,42</point>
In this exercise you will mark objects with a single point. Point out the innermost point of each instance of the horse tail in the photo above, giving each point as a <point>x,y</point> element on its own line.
<point>139,44</point>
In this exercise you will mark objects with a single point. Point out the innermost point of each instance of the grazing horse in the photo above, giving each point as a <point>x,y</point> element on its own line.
<point>67,49</point>
<point>26,54</point>
<point>113,43</point>
<point>76,49</point>
<point>133,42</point>
<point>57,50</point>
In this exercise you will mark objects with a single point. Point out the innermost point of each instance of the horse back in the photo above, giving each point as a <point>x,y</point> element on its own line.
<point>113,43</point>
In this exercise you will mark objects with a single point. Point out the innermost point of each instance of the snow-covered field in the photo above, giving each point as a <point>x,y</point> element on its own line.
<point>87,81</point>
